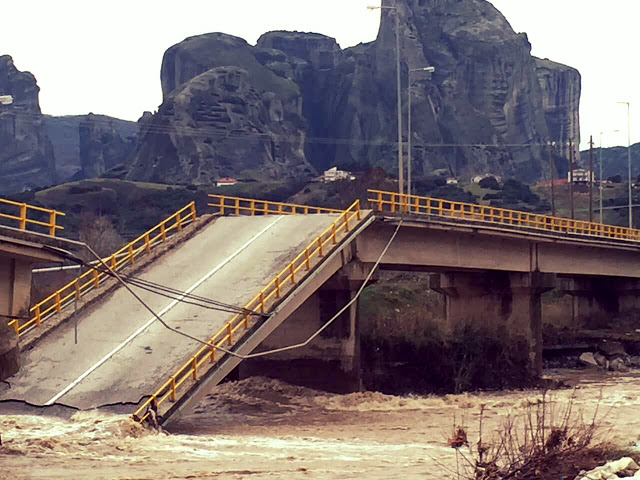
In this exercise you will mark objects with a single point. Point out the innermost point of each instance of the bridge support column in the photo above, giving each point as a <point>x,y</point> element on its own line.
<point>506,304</point>
<point>331,361</point>
<point>15,292</point>
<point>595,297</point>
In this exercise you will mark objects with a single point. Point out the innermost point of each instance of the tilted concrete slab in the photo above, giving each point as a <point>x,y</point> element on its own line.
<point>341,255</point>
<point>110,364</point>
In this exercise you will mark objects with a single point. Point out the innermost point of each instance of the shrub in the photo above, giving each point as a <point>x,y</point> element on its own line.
<point>492,196</point>
<point>541,442</point>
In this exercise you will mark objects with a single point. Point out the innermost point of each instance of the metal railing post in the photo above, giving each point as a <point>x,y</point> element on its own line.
<point>23,217</point>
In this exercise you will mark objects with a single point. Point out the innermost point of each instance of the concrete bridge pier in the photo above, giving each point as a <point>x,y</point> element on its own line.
<point>504,304</point>
<point>331,361</point>
<point>595,297</point>
<point>15,294</point>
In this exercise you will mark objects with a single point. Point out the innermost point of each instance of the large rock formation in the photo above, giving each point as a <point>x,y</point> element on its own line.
<point>223,114</point>
<point>296,102</point>
<point>26,155</point>
<point>87,146</point>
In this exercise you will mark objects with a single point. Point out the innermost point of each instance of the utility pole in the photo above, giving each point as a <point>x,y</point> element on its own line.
<point>400,148</point>
<point>551,177</point>
<point>591,179</point>
<point>571,179</point>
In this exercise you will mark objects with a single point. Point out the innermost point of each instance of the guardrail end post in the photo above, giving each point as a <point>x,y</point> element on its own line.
<point>15,326</point>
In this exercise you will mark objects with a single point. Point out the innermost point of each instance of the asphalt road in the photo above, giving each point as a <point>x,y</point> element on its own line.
<point>122,353</point>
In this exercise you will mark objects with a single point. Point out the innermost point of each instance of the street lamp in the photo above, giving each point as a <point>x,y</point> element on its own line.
<point>600,162</point>
<point>400,166</point>
<point>629,158</point>
<point>6,99</point>
<point>413,70</point>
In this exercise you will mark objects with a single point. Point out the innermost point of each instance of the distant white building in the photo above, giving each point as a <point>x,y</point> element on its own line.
<point>226,181</point>
<point>452,181</point>
<point>580,175</point>
<point>334,174</point>
<point>479,178</point>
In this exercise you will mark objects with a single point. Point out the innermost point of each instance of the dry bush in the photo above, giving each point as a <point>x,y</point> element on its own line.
<point>542,442</point>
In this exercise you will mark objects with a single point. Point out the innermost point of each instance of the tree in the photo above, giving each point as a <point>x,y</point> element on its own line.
<point>615,179</point>
<point>490,183</point>
<point>99,233</point>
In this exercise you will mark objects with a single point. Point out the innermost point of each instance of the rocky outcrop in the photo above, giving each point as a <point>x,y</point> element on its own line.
<point>26,154</point>
<point>87,146</point>
<point>482,110</point>
<point>490,106</point>
<point>223,114</point>
<point>560,86</point>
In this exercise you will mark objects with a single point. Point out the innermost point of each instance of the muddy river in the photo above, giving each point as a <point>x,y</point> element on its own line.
<point>262,428</point>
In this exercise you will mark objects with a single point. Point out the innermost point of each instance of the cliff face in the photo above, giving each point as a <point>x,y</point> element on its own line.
<point>484,110</point>
<point>86,146</point>
<point>224,114</point>
<point>297,103</point>
<point>26,155</point>
<point>560,86</point>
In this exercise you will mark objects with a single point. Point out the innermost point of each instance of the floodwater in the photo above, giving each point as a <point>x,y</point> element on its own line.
<point>261,428</point>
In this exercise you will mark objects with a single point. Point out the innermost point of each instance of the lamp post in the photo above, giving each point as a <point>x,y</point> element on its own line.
<point>6,99</point>
<point>424,69</point>
<point>400,165</point>
<point>629,158</point>
<point>600,162</point>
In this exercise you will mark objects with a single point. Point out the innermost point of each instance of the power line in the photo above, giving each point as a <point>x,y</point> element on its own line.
<point>221,135</point>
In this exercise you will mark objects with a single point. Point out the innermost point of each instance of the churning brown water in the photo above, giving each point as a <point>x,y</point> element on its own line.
<point>261,428</point>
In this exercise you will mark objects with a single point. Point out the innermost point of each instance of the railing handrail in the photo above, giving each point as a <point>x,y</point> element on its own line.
<point>498,215</point>
<point>264,207</point>
<point>23,220</point>
<point>78,287</point>
<point>262,302</point>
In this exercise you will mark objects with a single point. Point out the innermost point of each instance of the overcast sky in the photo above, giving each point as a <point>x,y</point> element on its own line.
<point>107,59</point>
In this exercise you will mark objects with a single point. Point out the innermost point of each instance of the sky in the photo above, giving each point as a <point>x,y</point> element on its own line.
<point>107,59</point>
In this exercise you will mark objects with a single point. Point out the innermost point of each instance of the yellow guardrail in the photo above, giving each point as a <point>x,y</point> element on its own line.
<point>395,202</point>
<point>89,280</point>
<point>24,221</point>
<point>250,206</point>
<point>262,302</point>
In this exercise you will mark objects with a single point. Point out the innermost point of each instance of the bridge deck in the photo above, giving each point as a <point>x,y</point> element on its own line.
<point>122,354</point>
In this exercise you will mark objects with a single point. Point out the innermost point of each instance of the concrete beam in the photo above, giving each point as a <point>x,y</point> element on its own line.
<point>442,248</point>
